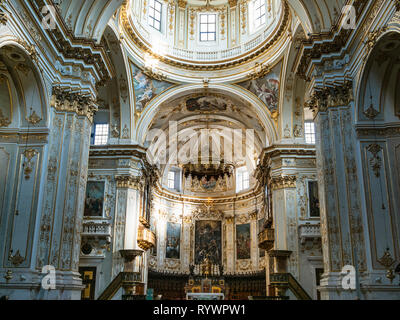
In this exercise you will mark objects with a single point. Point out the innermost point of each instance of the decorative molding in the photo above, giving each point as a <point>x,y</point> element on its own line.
<point>68,101</point>
<point>325,43</point>
<point>29,154</point>
<point>129,182</point>
<point>371,112</point>
<point>3,17</point>
<point>376,161</point>
<point>34,119</point>
<point>283,182</point>
<point>387,261</point>
<point>259,71</point>
<point>182,4</point>
<point>217,65</point>
<point>4,122</point>
<point>16,259</point>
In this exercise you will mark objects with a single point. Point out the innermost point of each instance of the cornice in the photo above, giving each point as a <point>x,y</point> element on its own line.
<point>286,150</point>
<point>375,130</point>
<point>118,151</point>
<point>331,42</point>
<point>159,191</point>
<point>280,150</point>
<point>37,136</point>
<point>71,47</point>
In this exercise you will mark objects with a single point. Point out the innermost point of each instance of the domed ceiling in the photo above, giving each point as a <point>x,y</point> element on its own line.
<point>193,40</point>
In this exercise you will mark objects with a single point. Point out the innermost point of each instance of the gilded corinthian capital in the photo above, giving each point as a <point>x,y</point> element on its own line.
<point>68,101</point>
<point>330,97</point>
<point>283,182</point>
<point>129,182</point>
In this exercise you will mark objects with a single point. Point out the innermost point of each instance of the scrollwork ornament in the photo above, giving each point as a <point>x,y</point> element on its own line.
<point>29,154</point>
<point>16,259</point>
<point>4,122</point>
<point>371,112</point>
<point>376,160</point>
<point>387,261</point>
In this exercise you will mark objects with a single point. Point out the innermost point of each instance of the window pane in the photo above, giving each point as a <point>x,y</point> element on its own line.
<point>101,134</point>
<point>211,18</point>
<point>171,180</point>
<point>211,27</point>
<point>203,18</point>
<point>309,130</point>
<point>155,10</point>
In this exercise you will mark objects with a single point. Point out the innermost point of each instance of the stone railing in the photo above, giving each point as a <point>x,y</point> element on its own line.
<point>309,231</point>
<point>99,228</point>
<point>214,54</point>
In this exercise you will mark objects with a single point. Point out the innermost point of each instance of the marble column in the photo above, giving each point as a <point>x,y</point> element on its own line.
<point>128,208</point>
<point>285,218</point>
<point>342,227</point>
<point>279,169</point>
<point>59,228</point>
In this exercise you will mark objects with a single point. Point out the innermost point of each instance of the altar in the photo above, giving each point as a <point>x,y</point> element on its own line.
<point>208,285</point>
<point>205,296</point>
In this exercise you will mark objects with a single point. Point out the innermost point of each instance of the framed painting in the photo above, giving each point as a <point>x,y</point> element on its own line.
<point>261,228</point>
<point>94,199</point>
<point>243,242</point>
<point>313,199</point>
<point>208,241</point>
<point>173,249</point>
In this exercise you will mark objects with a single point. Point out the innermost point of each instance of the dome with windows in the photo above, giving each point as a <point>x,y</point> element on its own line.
<point>204,35</point>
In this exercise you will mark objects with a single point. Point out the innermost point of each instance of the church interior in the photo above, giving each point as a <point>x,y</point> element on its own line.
<point>199,150</point>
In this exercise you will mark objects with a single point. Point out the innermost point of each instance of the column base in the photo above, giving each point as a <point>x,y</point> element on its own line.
<point>27,285</point>
<point>331,288</point>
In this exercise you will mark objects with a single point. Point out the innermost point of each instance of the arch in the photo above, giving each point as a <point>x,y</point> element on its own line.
<point>26,86</point>
<point>378,123</point>
<point>377,96</point>
<point>121,112</point>
<point>262,112</point>
<point>89,19</point>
